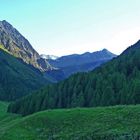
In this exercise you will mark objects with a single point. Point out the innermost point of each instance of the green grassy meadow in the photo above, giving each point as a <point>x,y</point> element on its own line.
<point>102,123</point>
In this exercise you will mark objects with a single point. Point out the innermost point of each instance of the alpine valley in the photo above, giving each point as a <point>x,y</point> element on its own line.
<point>89,96</point>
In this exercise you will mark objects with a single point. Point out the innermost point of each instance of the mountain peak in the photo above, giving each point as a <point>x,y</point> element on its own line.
<point>105,50</point>
<point>5,22</point>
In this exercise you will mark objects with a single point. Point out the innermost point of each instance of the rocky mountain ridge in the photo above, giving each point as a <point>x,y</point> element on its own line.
<point>20,47</point>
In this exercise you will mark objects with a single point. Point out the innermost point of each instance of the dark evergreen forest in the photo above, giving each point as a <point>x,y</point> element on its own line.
<point>116,82</point>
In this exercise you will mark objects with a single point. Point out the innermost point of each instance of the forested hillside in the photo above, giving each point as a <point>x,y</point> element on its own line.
<point>17,79</point>
<point>116,82</point>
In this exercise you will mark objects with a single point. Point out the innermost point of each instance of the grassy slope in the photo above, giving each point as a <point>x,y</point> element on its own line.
<point>7,120</point>
<point>120,122</point>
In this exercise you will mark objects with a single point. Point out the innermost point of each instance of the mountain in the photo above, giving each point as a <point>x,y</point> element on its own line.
<point>19,46</point>
<point>60,74</point>
<point>47,57</point>
<point>115,82</point>
<point>80,59</point>
<point>101,123</point>
<point>70,64</point>
<point>17,79</point>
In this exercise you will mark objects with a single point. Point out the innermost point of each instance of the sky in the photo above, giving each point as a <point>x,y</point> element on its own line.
<point>62,27</point>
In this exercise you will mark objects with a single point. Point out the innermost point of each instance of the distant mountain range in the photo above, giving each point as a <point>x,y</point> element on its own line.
<point>70,64</point>
<point>80,59</point>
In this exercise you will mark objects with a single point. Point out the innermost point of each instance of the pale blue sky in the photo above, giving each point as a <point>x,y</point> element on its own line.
<point>63,27</point>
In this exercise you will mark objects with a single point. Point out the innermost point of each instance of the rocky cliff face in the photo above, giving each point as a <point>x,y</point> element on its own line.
<point>20,47</point>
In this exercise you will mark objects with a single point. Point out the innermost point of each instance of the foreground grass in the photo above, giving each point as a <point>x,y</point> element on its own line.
<point>109,123</point>
<point>7,120</point>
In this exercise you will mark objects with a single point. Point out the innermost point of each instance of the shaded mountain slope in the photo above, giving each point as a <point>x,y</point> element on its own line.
<point>17,79</point>
<point>63,73</point>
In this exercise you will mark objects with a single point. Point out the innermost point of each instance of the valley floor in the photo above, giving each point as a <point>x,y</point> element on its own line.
<point>102,123</point>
